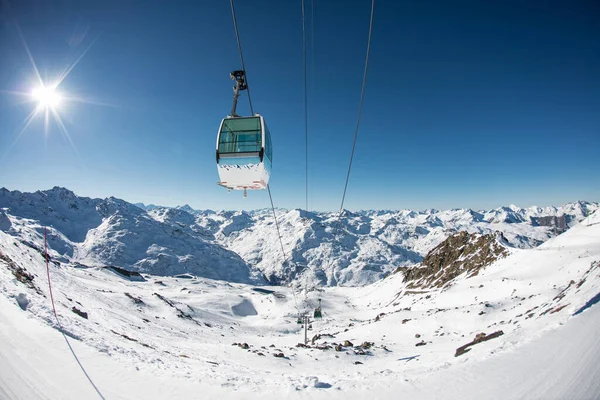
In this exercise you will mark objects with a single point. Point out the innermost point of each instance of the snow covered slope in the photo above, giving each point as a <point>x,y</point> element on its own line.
<point>165,337</point>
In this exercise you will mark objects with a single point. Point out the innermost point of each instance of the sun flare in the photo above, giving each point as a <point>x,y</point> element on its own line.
<point>49,102</point>
<point>46,96</point>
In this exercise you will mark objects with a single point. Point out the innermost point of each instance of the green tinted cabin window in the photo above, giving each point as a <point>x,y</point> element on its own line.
<point>240,135</point>
<point>268,145</point>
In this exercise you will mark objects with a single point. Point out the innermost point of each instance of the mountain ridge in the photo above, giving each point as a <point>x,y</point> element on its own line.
<point>365,247</point>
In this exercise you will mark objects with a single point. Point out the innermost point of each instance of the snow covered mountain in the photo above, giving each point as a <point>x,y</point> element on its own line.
<point>320,248</point>
<point>99,232</point>
<point>146,207</point>
<point>507,323</point>
<point>366,246</point>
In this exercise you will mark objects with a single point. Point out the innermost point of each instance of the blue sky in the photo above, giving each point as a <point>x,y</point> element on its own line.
<point>468,103</point>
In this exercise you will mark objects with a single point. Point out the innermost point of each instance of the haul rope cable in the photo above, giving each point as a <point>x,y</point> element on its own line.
<point>237,34</point>
<point>239,43</point>
<point>58,321</point>
<point>305,101</point>
<point>360,104</point>
<point>305,118</point>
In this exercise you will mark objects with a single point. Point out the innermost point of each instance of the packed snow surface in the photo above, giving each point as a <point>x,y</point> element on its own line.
<point>187,336</point>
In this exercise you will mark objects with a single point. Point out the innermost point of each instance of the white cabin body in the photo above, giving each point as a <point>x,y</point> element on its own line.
<point>244,153</point>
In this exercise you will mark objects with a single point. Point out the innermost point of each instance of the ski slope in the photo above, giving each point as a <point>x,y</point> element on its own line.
<point>169,337</point>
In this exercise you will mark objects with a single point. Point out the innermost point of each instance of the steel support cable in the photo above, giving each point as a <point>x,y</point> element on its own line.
<point>305,99</point>
<point>281,241</point>
<point>276,224</point>
<point>237,35</point>
<point>312,49</point>
<point>312,43</point>
<point>305,69</point>
<point>62,330</point>
<point>239,43</point>
<point>305,116</point>
<point>360,104</point>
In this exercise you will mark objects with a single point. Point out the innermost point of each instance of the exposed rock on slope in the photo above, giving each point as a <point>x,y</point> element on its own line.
<point>559,223</point>
<point>5,223</point>
<point>460,253</point>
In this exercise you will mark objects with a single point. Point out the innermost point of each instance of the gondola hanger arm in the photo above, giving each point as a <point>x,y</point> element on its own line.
<point>239,76</point>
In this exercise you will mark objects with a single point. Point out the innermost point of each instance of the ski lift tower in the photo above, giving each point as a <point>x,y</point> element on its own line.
<point>304,319</point>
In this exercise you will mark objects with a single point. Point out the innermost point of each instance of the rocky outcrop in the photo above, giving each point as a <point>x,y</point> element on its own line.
<point>560,223</point>
<point>460,253</point>
<point>19,272</point>
<point>480,337</point>
<point>5,223</point>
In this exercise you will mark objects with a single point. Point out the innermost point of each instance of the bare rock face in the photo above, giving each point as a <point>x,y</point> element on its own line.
<point>19,272</point>
<point>480,337</point>
<point>460,253</point>
<point>560,223</point>
<point>5,223</point>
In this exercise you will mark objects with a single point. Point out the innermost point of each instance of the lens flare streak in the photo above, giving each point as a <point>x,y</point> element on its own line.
<point>64,131</point>
<point>26,124</point>
<point>74,64</point>
<point>47,97</point>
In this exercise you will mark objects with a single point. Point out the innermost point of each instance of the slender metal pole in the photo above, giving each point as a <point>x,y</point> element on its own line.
<point>236,94</point>
<point>306,329</point>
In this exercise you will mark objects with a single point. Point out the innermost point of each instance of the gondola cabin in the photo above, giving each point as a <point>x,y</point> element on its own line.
<point>244,153</point>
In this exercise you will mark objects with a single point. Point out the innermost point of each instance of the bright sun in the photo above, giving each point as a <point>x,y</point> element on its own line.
<point>46,97</point>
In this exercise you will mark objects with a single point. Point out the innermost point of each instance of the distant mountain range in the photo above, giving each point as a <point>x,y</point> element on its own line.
<point>243,246</point>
